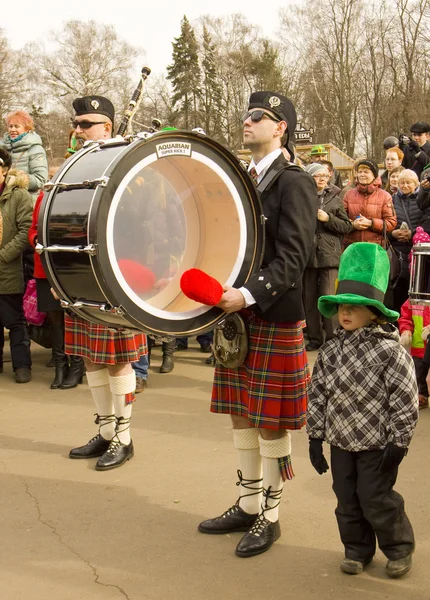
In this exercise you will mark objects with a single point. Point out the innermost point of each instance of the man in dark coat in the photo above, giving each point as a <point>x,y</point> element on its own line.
<point>266,396</point>
<point>417,151</point>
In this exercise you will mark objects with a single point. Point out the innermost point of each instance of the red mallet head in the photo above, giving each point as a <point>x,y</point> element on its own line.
<point>139,278</point>
<point>201,287</point>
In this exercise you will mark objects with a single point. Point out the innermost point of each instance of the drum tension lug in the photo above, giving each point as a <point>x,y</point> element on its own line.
<point>115,310</point>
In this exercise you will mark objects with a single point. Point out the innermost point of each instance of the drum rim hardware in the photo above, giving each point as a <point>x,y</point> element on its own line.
<point>91,249</point>
<point>105,308</point>
<point>89,184</point>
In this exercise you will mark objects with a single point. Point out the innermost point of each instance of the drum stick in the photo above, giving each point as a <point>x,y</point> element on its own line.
<point>134,102</point>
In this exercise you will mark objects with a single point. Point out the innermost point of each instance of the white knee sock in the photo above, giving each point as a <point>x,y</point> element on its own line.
<point>271,451</point>
<point>99,386</point>
<point>248,451</point>
<point>121,386</point>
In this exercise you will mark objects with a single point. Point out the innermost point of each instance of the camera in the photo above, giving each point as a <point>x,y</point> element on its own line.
<point>404,139</point>
<point>426,175</point>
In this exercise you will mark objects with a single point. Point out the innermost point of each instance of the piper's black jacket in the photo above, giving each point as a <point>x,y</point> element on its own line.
<point>290,205</point>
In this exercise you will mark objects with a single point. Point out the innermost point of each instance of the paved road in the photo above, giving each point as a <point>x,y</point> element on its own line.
<point>71,533</point>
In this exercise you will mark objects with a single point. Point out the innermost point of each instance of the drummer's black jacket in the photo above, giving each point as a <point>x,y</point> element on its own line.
<point>290,205</point>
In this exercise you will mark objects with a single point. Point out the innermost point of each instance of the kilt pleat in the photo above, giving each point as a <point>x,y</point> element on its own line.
<point>101,345</point>
<point>270,387</point>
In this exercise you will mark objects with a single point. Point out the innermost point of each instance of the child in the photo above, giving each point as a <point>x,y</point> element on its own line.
<point>414,326</point>
<point>364,403</point>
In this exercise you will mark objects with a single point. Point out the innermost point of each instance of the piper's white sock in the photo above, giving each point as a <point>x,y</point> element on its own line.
<point>121,386</point>
<point>271,451</point>
<point>98,382</point>
<point>248,452</point>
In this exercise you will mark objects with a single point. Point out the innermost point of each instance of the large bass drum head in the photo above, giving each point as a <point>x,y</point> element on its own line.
<point>174,202</point>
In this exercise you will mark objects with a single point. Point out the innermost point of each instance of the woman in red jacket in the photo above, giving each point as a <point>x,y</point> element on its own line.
<point>55,314</point>
<point>369,208</point>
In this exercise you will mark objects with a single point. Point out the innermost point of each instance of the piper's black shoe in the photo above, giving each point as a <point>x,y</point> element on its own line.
<point>234,519</point>
<point>354,567</point>
<point>259,538</point>
<point>115,456</point>
<point>97,446</point>
<point>398,568</point>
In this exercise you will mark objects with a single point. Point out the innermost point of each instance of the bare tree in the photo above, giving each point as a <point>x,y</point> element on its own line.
<point>89,59</point>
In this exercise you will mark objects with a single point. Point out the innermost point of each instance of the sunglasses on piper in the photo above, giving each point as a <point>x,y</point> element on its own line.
<point>257,115</point>
<point>86,124</point>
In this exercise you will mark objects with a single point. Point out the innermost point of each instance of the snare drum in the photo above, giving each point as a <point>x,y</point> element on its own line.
<point>123,220</point>
<point>419,288</point>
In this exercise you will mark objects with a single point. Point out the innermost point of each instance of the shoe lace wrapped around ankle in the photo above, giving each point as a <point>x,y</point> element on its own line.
<point>121,426</point>
<point>248,484</point>
<point>261,522</point>
<point>102,420</point>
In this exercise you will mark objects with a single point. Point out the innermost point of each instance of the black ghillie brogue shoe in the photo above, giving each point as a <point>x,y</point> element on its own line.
<point>97,446</point>
<point>259,538</point>
<point>115,456</point>
<point>233,519</point>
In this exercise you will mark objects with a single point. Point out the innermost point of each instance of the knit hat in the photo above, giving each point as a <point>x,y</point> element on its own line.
<point>318,151</point>
<point>315,168</point>
<point>370,164</point>
<point>420,236</point>
<point>364,271</point>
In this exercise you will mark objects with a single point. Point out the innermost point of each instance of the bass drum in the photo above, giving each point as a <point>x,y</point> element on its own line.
<point>123,221</point>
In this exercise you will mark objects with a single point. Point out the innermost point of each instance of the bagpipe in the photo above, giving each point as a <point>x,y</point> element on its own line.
<point>125,218</point>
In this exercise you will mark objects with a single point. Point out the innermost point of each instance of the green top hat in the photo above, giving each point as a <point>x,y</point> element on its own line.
<point>315,150</point>
<point>363,279</point>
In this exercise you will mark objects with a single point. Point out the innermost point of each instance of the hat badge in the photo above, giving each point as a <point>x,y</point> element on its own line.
<point>274,101</point>
<point>95,104</point>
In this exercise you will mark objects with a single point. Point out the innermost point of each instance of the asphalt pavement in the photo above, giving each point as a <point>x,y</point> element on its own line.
<point>69,532</point>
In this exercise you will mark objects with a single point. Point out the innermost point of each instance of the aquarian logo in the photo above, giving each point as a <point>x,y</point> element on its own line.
<point>171,148</point>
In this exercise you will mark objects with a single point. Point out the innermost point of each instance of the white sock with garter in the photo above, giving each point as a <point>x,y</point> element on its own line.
<point>98,382</point>
<point>248,451</point>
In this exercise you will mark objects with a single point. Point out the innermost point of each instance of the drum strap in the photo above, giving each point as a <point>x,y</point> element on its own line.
<point>272,175</point>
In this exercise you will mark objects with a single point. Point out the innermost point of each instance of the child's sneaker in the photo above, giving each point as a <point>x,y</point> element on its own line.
<point>398,568</point>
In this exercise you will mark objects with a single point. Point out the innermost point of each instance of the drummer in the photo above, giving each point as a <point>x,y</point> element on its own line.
<point>267,395</point>
<point>107,354</point>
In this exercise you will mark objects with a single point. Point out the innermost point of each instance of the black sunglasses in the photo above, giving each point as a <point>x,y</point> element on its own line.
<point>257,115</point>
<point>86,124</point>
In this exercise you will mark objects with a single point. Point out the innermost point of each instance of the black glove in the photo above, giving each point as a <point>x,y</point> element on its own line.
<point>316,455</point>
<point>391,457</point>
<point>413,145</point>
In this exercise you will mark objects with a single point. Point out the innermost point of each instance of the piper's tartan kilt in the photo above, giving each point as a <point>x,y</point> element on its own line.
<point>101,345</point>
<point>270,387</point>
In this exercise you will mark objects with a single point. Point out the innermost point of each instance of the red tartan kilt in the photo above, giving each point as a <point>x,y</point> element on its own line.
<point>101,345</point>
<point>270,387</point>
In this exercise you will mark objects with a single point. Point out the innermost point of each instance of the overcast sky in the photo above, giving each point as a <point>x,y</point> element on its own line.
<point>150,24</point>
